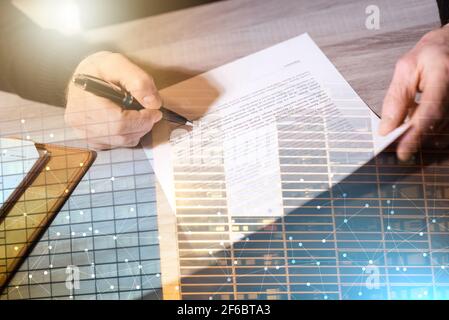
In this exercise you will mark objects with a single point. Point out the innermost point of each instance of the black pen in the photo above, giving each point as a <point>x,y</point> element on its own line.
<point>120,96</point>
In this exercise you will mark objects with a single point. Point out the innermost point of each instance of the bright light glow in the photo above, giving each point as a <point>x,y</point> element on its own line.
<point>60,15</point>
<point>67,17</point>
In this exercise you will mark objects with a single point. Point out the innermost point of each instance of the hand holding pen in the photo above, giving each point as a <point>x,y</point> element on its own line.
<point>121,97</point>
<point>113,103</point>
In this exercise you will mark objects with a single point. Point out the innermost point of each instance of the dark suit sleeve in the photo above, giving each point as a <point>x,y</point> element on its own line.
<point>443,7</point>
<point>34,63</point>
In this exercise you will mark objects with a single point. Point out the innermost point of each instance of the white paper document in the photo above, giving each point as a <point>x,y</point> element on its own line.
<point>268,131</point>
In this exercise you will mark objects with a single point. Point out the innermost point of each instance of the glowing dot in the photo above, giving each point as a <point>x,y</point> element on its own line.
<point>388,228</point>
<point>84,234</point>
<point>96,231</point>
<point>52,135</point>
<point>228,279</point>
<point>392,211</point>
<point>157,275</point>
<point>81,164</point>
<point>366,205</point>
<point>22,121</point>
<point>81,212</point>
<point>50,247</point>
<point>111,287</point>
<point>360,293</point>
<point>308,284</point>
<point>424,254</point>
<point>443,267</point>
<point>92,275</point>
<point>236,262</point>
<point>85,250</point>
<point>397,269</point>
<point>45,272</point>
<point>219,213</point>
<point>277,267</point>
<point>90,228</point>
<point>265,268</point>
<point>344,255</point>
<point>363,268</point>
<point>210,252</point>
<point>404,269</point>
<point>290,238</point>
<point>28,137</point>
<point>16,248</point>
<point>388,201</point>
<point>50,266</point>
<point>137,287</point>
<point>345,221</point>
<point>126,260</point>
<point>67,217</point>
<point>112,179</point>
<point>421,234</point>
<point>210,298</point>
<point>301,180</point>
<point>300,244</point>
<point>30,276</point>
<point>140,266</point>
<point>323,241</point>
<point>393,186</point>
<point>433,221</point>
<point>318,263</point>
<point>325,297</point>
<point>24,214</point>
<point>318,207</point>
<point>73,233</point>
<point>47,168</point>
<point>344,195</point>
<point>58,234</point>
<point>221,243</point>
<point>293,261</point>
<point>93,190</point>
<point>370,262</point>
<point>114,237</point>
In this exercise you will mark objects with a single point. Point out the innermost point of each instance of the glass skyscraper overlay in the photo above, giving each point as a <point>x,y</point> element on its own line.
<point>380,233</point>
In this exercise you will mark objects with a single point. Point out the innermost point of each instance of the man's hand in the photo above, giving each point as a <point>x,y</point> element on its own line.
<point>104,124</point>
<point>424,70</point>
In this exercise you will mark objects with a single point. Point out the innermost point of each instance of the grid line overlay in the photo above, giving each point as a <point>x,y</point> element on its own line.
<point>372,235</point>
<point>107,230</point>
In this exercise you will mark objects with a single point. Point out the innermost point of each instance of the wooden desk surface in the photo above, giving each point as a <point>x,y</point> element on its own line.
<point>178,45</point>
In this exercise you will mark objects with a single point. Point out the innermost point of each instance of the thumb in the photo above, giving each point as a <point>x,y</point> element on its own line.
<point>142,88</point>
<point>119,69</point>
